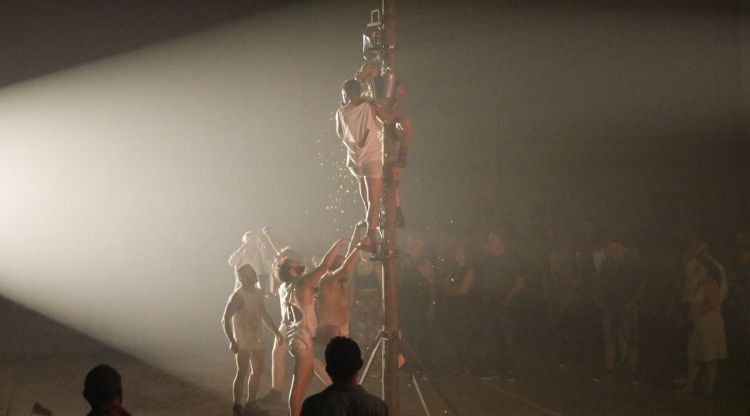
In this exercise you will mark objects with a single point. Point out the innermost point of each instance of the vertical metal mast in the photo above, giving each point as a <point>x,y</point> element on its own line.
<point>390,272</point>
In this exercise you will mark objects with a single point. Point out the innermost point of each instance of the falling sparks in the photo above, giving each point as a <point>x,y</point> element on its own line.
<point>342,195</point>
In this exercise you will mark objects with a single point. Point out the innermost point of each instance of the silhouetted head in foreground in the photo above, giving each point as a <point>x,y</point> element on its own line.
<point>103,390</point>
<point>343,360</point>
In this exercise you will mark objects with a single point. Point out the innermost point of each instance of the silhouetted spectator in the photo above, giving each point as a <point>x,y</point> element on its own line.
<point>498,285</point>
<point>566,295</point>
<point>344,397</point>
<point>103,390</point>
<point>457,315</point>
<point>413,251</point>
<point>413,293</point>
<point>416,302</point>
<point>618,294</point>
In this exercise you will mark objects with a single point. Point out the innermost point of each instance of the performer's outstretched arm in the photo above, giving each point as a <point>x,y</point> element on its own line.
<point>314,277</point>
<point>275,245</point>
<point>236,257</point>
<point>343,272</point>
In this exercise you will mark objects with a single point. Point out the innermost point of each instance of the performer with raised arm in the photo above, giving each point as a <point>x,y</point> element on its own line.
<point>280,350</point>
<point>365,74</point>
<point>396,125</point>
<point>251,252</point>
<point>357,125</point>
<point>334,296</point>
<point>276,246</point>
<point>241,322</point>
<point>299,322</point>
<point>397,129</point>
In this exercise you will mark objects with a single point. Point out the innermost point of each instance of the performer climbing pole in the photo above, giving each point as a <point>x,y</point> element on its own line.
<point>377,92</point>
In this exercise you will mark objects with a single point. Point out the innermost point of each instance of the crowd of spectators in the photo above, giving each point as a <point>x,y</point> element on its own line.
<point>599,304</point>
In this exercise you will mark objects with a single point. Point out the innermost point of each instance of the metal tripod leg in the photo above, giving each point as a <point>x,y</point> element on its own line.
<point>412,362</point>
<point>419,394</point>
<point>415,366</point>
<point>371,359</point>
<point>319,377</point>
<point>411,355</point>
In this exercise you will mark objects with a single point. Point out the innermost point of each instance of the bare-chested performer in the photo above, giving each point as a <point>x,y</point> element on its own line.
<point>241,322</point>
<point>334,298</point>
<point>299,322</point>
<point>280,350</point>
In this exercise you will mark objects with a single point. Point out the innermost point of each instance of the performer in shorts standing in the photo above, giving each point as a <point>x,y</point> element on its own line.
<point>241,322</point>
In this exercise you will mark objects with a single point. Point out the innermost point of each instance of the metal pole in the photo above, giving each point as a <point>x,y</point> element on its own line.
<point>390,273</point>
